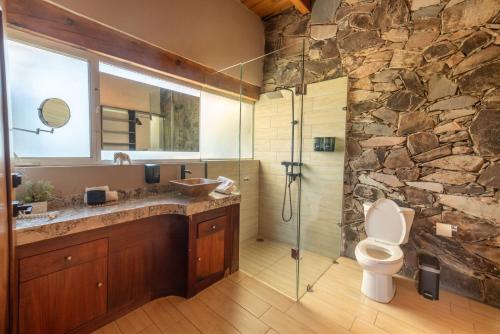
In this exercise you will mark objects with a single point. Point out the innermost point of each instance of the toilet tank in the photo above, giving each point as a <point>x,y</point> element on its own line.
<point>366,206</point>
<point>408,214</point>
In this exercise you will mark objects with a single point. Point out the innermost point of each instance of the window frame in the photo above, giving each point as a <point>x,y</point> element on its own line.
<point>95,136</point>
<point>51,46</point>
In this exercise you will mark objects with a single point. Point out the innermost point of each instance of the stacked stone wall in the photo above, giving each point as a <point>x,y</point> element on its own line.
<point>423,123</point>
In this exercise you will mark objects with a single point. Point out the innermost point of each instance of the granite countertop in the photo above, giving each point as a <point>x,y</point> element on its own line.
<point>79,219</point>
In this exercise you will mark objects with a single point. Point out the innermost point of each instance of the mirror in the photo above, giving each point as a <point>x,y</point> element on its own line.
<point>136,116</point>
<point>54,113</point>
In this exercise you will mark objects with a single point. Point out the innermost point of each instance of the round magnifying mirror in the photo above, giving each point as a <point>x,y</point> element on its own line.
<point>54,113</point>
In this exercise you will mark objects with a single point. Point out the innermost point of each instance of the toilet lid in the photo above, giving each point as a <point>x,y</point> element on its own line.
<point>385,222</point>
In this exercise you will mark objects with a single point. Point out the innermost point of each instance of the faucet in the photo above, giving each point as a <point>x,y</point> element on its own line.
<point>184,171</point>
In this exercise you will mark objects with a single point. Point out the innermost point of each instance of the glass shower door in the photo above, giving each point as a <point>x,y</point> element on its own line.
<point>291,204</point>
<point>323,149</point>
<point>270,254</point>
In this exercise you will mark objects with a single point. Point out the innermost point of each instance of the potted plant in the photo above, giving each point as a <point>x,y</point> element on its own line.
<point>37,194</point>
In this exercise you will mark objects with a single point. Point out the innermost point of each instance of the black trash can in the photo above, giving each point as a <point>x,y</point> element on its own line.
<point>428,276</point>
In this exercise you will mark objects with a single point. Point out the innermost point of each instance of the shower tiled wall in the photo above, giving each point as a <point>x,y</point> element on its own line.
<point>324,116</point>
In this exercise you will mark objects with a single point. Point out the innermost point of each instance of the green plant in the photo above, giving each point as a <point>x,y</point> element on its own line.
<point>37,191</point>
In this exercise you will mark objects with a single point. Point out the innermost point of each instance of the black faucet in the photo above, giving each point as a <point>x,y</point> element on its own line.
<point>184,171</point>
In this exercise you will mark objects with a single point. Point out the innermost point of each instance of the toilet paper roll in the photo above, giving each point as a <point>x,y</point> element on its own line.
<point>444,230</point>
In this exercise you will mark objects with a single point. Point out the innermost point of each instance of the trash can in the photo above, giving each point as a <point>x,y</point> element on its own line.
<point>428,276</point>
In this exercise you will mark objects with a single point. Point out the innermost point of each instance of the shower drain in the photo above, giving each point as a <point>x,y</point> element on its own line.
<point>260,239</point>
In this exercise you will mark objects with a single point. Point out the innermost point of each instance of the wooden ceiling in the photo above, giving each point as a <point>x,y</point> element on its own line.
<point>267,8</point>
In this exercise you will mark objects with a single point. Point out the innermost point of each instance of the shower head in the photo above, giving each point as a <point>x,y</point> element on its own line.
<point>274,95</point>
<point>277,94</point>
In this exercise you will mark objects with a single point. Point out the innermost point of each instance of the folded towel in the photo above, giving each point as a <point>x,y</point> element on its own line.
<point>226,187</point>
<point>111,196</point>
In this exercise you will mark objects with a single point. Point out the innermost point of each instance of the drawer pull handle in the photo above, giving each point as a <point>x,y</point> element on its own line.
<point>213,227</point>
<point>68,258</point>
<point>99,284</point>
<point>199,259</point>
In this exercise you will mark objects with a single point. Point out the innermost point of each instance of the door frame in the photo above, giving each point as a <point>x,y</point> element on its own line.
<point>6,292</point>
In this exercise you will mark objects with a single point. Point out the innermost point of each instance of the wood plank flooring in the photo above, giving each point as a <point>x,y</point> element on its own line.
<point>270,262</point>
<point>242,304</point>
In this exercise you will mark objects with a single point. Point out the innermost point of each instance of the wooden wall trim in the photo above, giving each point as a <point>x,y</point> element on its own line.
<point>47,19</point>
<point>303,6</point>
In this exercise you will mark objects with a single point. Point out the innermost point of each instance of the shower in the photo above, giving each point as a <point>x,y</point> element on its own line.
<point>290,175</point>
<point>294,237</point>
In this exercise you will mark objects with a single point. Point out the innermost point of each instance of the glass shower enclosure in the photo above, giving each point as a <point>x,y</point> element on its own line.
<point>290,173</point>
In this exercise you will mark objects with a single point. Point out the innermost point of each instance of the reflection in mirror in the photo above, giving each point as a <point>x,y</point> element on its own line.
<point>141,117</point>
<point>54,113</point>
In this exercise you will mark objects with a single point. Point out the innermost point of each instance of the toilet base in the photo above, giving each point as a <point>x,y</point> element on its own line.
<point>378,287</point>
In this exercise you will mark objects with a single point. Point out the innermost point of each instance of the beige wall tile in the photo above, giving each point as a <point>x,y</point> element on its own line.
<point>324,116</point>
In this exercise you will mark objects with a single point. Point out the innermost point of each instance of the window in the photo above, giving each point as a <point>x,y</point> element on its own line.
<point>220,124</point>
<point>148,117</point>
<point>34,75</point>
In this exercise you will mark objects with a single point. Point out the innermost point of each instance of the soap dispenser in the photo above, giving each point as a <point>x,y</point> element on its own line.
<point>152,173</point>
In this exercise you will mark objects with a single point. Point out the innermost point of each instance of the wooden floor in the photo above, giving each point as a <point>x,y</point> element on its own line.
<point>241,304</point>
<point>270,262</point>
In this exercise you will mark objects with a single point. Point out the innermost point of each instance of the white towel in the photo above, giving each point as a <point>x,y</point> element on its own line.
<point>226,187</point>
<point>111,195</point>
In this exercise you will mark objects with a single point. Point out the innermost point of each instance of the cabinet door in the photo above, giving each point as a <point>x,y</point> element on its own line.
<point>61,301</point>
<point>210,254</point>
<point>129,275</point>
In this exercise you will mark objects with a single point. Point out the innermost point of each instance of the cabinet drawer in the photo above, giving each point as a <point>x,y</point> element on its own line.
<point>211,226</point>
<point>46,263</point>
<point>209,215</point>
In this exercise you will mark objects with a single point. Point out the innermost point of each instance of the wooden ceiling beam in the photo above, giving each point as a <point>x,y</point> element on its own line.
<point>268,8</point>
<point>303,6</point>
<point>49,20</point>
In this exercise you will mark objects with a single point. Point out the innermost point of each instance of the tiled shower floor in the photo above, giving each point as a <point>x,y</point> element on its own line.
<point>270,262</point>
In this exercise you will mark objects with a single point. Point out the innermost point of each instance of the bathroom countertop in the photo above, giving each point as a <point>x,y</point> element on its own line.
<point>79,219</point>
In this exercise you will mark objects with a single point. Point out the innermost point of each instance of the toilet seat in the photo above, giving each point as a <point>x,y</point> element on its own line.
<point>371,251</point>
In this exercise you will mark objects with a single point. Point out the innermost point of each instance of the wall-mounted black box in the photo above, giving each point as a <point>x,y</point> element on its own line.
<point>324,144</point>
<point>152,173</point>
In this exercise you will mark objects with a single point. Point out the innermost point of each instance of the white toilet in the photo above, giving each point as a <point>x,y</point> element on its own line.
<point>387,226</point>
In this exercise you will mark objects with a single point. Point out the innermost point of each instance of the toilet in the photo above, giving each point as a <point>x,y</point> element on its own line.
<point>387,226</point>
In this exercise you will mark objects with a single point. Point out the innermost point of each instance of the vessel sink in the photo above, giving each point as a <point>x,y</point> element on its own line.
<point>195,186</point>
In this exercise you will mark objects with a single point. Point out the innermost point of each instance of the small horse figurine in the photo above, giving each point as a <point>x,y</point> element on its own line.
<point>120,158</point>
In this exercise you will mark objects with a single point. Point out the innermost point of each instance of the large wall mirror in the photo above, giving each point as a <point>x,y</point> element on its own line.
<point>137,116</point>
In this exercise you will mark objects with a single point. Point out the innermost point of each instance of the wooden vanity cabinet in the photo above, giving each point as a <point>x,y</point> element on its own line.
<point>210,248</point>
<point>61,300</point>
<point>129,276</point>
<point>213,245</point>
<point>80,282</point>
<point>130,264</point>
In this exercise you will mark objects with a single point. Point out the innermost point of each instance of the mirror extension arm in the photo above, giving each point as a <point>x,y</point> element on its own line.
<point>37,131</point>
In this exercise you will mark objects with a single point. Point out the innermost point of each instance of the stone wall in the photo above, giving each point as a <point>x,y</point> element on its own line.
<point>423,119</point>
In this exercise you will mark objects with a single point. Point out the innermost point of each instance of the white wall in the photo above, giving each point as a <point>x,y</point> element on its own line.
<point>215,33</point>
